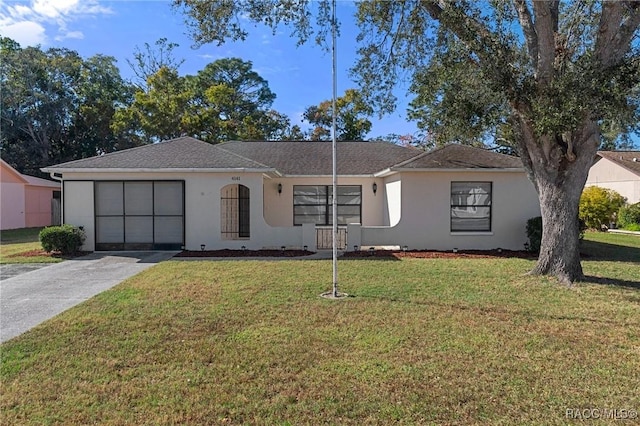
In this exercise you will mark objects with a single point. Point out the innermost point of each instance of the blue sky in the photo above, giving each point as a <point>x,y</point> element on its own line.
<point>300,76</point>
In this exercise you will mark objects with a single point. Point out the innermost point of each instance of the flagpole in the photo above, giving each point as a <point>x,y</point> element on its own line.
<point>334,153</point>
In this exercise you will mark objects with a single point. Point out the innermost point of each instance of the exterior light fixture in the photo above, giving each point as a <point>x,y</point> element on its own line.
<point>282,248</point>
<point>279,188</point>
<point>455,249</point>
<point>244,248</point>
<point>374,187</point>
<point>355,248</point>
<point>371,250</point>
<point>305,248</point>
<point>202,246</point>
<point>405,248</point>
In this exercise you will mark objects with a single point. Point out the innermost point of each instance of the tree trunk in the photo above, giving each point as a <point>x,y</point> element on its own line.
<point>559,250</point>
<point>558,167</point>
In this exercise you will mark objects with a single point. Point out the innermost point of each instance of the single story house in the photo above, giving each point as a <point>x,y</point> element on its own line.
<point>27,201</point>
<point>617,170</point>
<point>185,193</point>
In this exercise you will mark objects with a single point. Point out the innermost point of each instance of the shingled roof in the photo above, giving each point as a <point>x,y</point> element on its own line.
<point>315,158</point>
<point>630,160</point>
<point>290,158</point>
<point>180,153</point>
<point>456,156</point>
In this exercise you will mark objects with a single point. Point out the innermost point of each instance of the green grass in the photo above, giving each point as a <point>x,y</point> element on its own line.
<point>421,341</point>
<point>23,235</point>
<point>17,244</point>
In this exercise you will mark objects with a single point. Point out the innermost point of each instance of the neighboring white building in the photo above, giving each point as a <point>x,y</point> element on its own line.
<point>188,193</point>
<point>617,170</point>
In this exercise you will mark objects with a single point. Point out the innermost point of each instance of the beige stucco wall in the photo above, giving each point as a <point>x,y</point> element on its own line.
<point>425,215</point>
<point>78,208</point>
<point>408,209</point>
<point>278,208</point>
<point>393,200</point>
<point>607,174</point>
<point>202,208</point>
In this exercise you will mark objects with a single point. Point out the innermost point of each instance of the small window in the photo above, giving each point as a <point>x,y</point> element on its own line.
<point>470,206</point>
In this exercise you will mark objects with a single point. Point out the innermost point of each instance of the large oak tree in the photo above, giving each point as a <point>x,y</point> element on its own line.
<point>545,75</point>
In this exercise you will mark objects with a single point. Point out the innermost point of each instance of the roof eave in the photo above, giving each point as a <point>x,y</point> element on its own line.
<point>385,173</point>
<point>461,169</point>
<point>368,175</point>
<point>159,170</point>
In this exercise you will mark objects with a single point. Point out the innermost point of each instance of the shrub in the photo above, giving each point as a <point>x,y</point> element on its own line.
<point>629,217</point>
<point>598,206</point>
<point>534,234</point>
<point>66,239</point>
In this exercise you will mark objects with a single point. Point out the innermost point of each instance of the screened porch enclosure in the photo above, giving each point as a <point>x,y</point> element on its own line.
<point>139,215</point>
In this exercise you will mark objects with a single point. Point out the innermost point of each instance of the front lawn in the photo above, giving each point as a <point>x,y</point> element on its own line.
<point>421,341</point>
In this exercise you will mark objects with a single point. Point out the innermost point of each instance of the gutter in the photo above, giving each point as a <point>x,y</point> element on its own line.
<point>51,171</point>
<point>458,169</point>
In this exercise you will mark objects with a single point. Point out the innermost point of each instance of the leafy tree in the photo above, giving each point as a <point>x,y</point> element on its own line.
<point>56,106</point>
<point>150,60</point>
<point>352,123</point>
<point>224,101</point>
<point>419,140</point>
<point>233,102</point>
<point>100,92</point>
<point>551,72</point>
<point>598,206</point>
<point>159,112</point>
<point>293,133</point>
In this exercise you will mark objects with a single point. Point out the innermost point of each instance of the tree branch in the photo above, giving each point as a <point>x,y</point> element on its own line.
<point>473,33</point>
<point>526,22</point>
<point>546,24</point>
<point>616,31</point>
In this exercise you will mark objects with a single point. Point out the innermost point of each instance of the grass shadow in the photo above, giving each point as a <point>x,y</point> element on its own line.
<point>494,311</point>
<point>593,250</point>
<point>378,255</point>
<point>612,281</point>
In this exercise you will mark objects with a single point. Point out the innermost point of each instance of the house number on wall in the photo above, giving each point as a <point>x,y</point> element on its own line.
<point>235,177</point>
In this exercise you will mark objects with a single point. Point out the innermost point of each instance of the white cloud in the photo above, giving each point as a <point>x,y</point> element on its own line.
<point>27,33</point>
<point>36,21</point>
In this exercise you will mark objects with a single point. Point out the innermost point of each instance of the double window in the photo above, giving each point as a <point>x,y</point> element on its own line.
<point>313,204</point>
<point>470,206</point>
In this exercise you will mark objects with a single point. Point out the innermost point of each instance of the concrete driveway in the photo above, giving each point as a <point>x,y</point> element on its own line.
<point>31,297</point>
